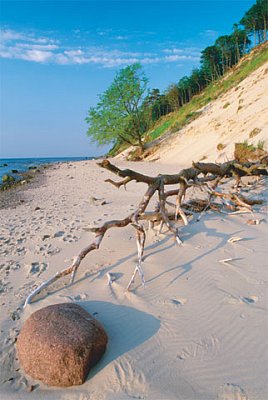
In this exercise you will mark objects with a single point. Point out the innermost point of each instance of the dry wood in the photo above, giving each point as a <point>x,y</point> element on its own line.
<point>186,179</point>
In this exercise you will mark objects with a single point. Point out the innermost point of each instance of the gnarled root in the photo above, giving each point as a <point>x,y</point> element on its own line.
<point>185,178</point>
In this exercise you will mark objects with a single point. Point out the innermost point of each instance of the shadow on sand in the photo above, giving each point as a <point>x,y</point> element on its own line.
<point>125,326</point>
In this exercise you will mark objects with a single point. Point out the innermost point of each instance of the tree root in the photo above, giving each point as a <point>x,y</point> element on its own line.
<point>186,179</point>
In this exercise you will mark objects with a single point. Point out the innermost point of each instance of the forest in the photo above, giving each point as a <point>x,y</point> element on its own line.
<point>128,109</point>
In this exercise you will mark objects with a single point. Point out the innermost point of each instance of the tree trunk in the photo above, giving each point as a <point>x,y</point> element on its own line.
<point>265,28</point>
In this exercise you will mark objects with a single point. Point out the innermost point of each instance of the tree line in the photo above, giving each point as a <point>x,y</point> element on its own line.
<point>127,109</point>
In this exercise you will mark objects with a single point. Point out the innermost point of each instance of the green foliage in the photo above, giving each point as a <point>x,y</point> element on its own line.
<point>160,129</point>
<point>255,21</point>
<point>126,110</point>
<point>176,120</point>
<point>7,178</point>
<point>245,151</point>
<point>120,114</point>
<point>248,146</point>
<point>260,144</point>
<point>226,105</point>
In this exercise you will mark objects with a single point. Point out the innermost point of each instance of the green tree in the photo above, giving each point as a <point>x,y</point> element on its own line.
<point>120,115</point>
<point>172,96</point>
<point>198,80</point>
<point>255,21</point>
<point>240,40</point>
<point>211,60</point>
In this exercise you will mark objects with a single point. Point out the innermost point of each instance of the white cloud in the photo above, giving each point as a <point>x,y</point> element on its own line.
<point>30,47</point>
<point>173,50</point>
<point>210,33</point>
<point>37,56</point>
<point>177,57</point>
<point>37,46</point>
<point>8,34</point>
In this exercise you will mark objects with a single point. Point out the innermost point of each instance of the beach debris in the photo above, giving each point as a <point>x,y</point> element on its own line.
<point>92,200</point>
<point>212,175</point>
<point>110,278</point>
<point>59,344</point>
<point>253,221</point>
<point>235,239</point>
<point>226,260</point>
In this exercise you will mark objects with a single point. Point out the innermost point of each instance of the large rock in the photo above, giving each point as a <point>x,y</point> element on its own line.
<point>8,178</point>
<point>60,343</point>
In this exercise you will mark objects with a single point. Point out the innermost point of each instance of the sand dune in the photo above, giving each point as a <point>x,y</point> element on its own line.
<point>238,115</point>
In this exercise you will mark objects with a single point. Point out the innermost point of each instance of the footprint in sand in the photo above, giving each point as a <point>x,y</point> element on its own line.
<point>37,268</point>
<point>175,301</point>
<point>250,299</point>
<point>230,391</point>
<point>205,349</point>
<point>78,297</point>
<point>131,381</point>
<point>178,301</point>
<point>240,300</point>
<point>70,238</point>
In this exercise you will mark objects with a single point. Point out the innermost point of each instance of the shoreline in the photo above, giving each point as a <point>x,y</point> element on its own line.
<point>194,314</point>
<point>19,169</point>
<point>27,179</point>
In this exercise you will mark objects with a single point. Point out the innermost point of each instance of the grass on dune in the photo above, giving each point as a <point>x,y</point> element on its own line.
<point>176,120</point>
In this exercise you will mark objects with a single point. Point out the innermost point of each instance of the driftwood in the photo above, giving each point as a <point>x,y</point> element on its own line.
<point>187,178</point>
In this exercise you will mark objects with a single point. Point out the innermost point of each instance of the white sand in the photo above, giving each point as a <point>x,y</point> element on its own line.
<point>198,330</point>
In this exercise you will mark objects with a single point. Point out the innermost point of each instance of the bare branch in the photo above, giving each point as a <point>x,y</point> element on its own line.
<point>120,183</point>
<point>186,178</point>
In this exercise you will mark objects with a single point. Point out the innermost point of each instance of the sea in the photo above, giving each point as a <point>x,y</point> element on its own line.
<point>23,164</point>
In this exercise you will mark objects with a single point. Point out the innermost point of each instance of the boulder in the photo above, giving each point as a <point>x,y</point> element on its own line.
<point>59,344</point>
<point>8,178</point>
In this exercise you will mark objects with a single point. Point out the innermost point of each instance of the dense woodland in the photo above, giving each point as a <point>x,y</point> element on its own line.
<point>128,109</point>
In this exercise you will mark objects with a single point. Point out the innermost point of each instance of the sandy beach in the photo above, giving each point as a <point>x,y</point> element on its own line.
<point>197,331</point>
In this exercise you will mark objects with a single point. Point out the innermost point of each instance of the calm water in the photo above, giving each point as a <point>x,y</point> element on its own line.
<point>23,164</point>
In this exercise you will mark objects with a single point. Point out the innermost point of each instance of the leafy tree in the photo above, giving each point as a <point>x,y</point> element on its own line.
<point>173,97</point>
<point>225,45</point>
<point>255,21</point>
<point>152,103</point>
<point>198,80</point>
<point>120,114</point>
<point>126,110</point>
<point>158,104</point>
<point>241,41</point>
<point>211,60</point>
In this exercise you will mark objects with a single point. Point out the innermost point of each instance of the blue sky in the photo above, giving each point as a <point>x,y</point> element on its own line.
<point>58,56</point>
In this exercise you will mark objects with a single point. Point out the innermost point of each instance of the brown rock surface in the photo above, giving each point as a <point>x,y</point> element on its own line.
<point>60,343</point>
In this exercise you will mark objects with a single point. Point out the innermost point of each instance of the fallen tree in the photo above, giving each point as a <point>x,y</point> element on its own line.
<point>213,174</point>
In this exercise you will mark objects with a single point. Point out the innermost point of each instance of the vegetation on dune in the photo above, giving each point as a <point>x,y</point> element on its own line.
<point>129,114</point>
<point>245,152</point>
<point>189,111</point>
<point>121,115</point>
